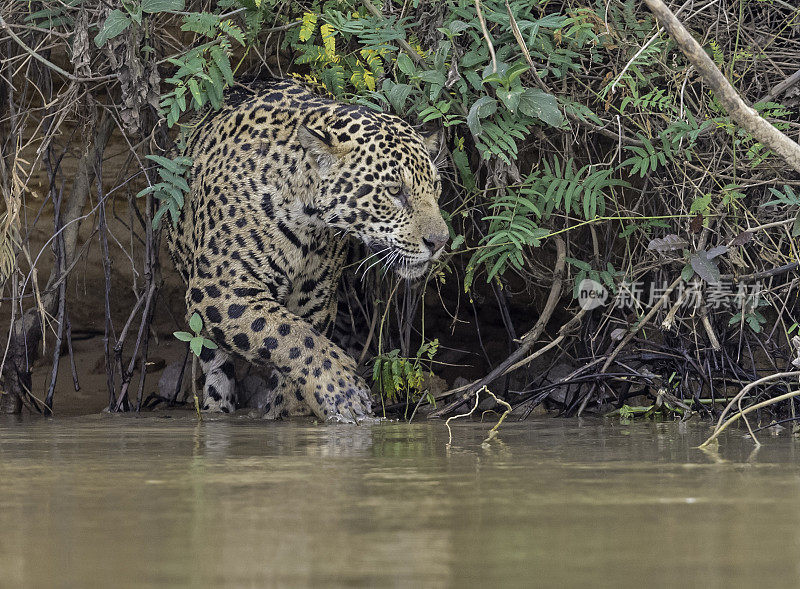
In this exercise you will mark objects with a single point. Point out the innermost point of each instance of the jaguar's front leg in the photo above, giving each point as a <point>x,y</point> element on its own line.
<point>245,322</point>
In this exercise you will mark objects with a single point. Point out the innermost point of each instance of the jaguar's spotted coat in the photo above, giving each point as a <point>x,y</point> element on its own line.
<point>280,174</point>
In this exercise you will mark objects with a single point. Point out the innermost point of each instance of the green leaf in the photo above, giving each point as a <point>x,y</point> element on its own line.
<point>397,94</point>
<point>115,24</point>
<point>196,344</point>
<point>406,65</point>
<point>461,161</point>
<point>196,323</point>
<point>222,61</point>
<point>580,264</point>
<point>483,107</point>
<point>376,370</point>
<point>152,6</point>
<point>202,23</point>
<point>510,98</point>
<point>541,105</point>
<point>207,343</point>
<point>159,213</point>
<point>687,272</point>
<point>184,336</point>
<point>458,26</point>
<point>232,30</point>
<point>700,204</point>
<point>493,78</point>
<point>147,190</point>
<point>432,77</point>
<point>165,163</point>
<point>516,70</point>
<point>198,96</point>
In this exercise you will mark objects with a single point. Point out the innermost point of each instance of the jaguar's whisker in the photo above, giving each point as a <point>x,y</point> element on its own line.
<point>369,256</point>
<point>376,262</point>
<point>388,264</point>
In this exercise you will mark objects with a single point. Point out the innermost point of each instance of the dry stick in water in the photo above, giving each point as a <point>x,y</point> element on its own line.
<point>722,426</point>
<point>739,111</point>
<point>449,419</point>
<point>492,432</point>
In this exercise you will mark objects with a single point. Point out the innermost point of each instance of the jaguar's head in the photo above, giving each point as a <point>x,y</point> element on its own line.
<point>379,183</point>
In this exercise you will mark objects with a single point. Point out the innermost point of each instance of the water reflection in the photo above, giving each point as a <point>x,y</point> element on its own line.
<point>155,501</point>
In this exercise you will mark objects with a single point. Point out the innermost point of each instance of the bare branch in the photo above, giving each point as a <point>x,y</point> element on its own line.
<point>744,115</point>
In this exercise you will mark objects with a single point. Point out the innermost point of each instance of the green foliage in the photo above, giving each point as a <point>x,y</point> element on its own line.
<point>204,71</point>
<point>170,191</point>
<point>513,227</point>
<point>749,313</point>
<point>397,376</point>
<point>50,16</point>
<point>790,199</point>
<point>655,100</point>
<point>499,109</point>
<point>755,151</point>
<point>514,224</point>
<point>118,20</point>
<point>490,106</point>
<point>115,24</point>
<point>196,341</point>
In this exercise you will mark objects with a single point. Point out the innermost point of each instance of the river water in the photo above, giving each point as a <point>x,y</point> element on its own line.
<point>108,501</point>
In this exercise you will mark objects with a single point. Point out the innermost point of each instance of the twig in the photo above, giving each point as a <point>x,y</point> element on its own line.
<point>49,64</point>
<point>747,389</point>
<point>641,323</point>
<point>781,88</point>
<point>493,432</point>
<point>721,427</point>
<point>766,273</point>
<point>75,382</point>
<point>451,418</point>
<point>740,112</point>
<point>486,36</point>
<point>528,340</point>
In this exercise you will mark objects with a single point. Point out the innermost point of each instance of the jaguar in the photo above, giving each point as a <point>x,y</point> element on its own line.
<point>282,179</point>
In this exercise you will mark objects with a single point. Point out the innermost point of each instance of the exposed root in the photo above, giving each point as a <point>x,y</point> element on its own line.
<point>492,432</point>
<point>449,419</point>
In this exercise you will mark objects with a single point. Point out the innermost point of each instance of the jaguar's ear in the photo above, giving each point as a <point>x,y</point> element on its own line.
<point>433,142</point>
<point>325,150</point>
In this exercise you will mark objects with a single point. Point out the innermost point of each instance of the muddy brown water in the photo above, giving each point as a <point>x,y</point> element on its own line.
<point>104,501</point>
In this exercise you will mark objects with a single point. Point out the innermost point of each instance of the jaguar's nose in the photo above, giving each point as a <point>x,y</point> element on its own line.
<point>435,242</point>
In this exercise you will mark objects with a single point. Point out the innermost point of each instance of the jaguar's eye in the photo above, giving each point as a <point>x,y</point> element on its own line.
<point>399,192</point>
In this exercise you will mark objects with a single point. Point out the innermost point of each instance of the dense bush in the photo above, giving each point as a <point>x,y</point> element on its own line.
<point>570,122</point>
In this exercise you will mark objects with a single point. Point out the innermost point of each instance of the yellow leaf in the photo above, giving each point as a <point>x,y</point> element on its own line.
<point>308,26</point>
<point>329,41</point>
<point>370,56</point>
